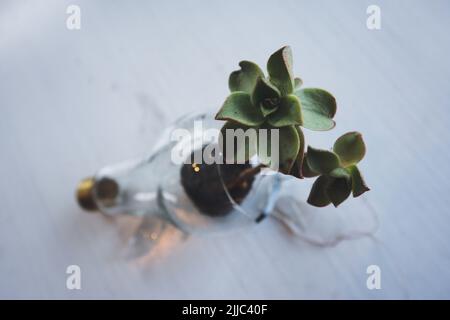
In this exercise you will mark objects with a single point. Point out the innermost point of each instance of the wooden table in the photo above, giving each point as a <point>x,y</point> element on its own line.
<point>73,101</point>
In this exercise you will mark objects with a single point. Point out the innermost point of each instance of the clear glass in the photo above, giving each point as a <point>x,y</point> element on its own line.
<point>151,188</point>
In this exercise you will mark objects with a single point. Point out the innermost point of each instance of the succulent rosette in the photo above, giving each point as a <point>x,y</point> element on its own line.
<point>279,101</point>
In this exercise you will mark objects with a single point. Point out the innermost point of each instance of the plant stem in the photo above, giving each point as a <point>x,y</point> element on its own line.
<point>245,175</point>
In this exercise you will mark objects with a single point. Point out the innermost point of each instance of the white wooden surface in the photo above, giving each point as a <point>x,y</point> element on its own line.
<point>74,101</point>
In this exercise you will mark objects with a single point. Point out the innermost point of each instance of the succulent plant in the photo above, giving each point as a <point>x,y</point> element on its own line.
<point>339,175</point>
<point>278,101</point>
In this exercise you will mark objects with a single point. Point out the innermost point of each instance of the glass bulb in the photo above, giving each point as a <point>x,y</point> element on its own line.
<point>152,187</point>
<point>155,188</point>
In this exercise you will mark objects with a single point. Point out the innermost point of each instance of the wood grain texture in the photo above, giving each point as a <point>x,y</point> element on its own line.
<point>74,101</point>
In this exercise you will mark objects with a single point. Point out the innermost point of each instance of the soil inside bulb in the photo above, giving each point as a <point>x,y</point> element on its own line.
<point>204,184</point>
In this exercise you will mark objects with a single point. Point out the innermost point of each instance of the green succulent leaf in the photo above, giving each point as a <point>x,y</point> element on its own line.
<point>318,108</point>
<point>244,149</point>
<point>297,83</point>
<point>338,190</point>
<point>288,113</point>
<point>265,94</point>
<point>350,148</point>
<point>279,67</point>
<point>288,148</point>
<point>239,108</point>
<point>307,172</point>
<point>269,107</point>
<point>341,173</point>
<point>318,196</point>
<point>322,161</point>
<point>245,79</point>
<point>358,184</point>
<point>296,170</point>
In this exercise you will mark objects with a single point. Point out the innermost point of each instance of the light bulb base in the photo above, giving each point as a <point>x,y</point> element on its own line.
<point>85,194</point>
